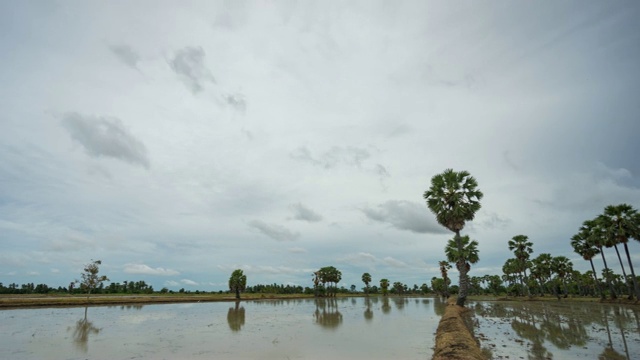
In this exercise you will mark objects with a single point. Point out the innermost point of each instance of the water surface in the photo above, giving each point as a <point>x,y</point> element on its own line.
<point>355,328</point>
<point>558,330</point>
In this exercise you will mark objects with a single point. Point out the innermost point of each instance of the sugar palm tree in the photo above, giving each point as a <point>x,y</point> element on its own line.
<point>521,247</point>
<point>595,235</point>
<point>588,251</point>
<point>237,282</point>
<point>622,222</point>
<point>611,241</point>
<point>454,198</point>
<point>562,266</point>
<point>366,279</point>
<point>384,285</point>
<point>444,271</point>
<point>469,253</point>
<point>541,269</point>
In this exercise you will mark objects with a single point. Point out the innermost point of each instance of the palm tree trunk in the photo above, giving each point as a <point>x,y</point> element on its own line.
<point>624,273</point>
<point>633,274</point>
<point>613,291</point>
<point>595,276</point>
<point>461,265</point>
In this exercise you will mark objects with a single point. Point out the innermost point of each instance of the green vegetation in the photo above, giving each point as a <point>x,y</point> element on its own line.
<point>237,282</point>
<point>454,199</point>
<point>90,278</point>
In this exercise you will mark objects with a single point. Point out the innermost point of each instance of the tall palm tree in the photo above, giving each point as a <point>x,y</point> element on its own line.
<point>510,269</point>
<point>611,241</point>
<point>588,251</point>
<point>444,271</point>
<point>521,247</point>
<point>366,279</point>
<point>622,222</point>
<point>454,198</point>
<point>469,253</point>
<point>595,235</point>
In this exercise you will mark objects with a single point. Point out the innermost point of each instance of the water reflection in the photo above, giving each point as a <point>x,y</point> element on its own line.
<point>81,332</point>
<point>439,306</point>
<point>386,308</point>
<point>327,314</point>
<point>235,317</point>
<point>368,314</point>
<point>559,328</point>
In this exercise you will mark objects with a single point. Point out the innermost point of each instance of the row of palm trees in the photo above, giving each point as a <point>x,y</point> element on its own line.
<point>454,199</point>
<point>615,226</point>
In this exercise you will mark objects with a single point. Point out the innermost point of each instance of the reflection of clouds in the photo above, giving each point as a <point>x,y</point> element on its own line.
<point>140,318</point>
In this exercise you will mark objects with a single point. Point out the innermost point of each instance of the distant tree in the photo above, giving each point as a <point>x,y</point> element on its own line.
<point>398,287</point>
<point>522,249</point>
<point>581,245</point>
<point>237,282</point>
<point>384,285</point>
<point>444,271</point>
<point>622,222</point>
<point>454,198</point>
<point>330,274</point>
<point>90,278</point>
<point>366,279</point>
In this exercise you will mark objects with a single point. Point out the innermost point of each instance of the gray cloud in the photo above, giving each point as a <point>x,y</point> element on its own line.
<point>300,212</point>
<point>405,215</point>
<point>274,231</point>
<point>105,137</point>
<point>350,156</point>
<point>188,63</point>
<point>125,54</point>
<point>236,101</point>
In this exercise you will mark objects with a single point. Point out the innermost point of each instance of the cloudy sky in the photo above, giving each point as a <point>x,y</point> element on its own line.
<point>178,141</point>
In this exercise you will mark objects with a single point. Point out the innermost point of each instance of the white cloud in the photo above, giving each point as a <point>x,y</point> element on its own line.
<point>301,212</point>
<point>147,270</point>
<point>405,215</point>
<point>189,282</point>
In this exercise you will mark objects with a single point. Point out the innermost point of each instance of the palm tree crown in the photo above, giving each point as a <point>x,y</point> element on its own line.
<point>453,198</point>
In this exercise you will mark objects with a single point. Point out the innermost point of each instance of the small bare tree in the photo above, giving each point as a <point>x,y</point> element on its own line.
<point>90,278</point>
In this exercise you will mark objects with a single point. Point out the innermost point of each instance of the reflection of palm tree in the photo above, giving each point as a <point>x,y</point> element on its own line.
<point>81,332</point>
<point>235,317</point>
<point>439,306</point>
<point>327,314</point>
<point>385,305</point>
<point>368,314</point>
<point>399,301</point>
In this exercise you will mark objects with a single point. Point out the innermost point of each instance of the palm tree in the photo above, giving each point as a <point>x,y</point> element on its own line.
<point>594,234</point>
<point>521,247</point>
<point>366,279</point>
<point>384,284</point>
<point>469,253</point>
<point>588,251</point>
<point>622,222</point>
<point>541,269</point>
<point>562,266</point>
<point>454,199</point>
<point>444,271</point>
<point>237,282</point>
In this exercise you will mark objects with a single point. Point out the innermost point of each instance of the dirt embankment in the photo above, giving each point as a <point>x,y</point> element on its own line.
<point>453,339</point>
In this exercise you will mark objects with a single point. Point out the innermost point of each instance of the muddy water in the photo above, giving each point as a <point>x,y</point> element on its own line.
<point>354,328</point>
<point>558,330</point>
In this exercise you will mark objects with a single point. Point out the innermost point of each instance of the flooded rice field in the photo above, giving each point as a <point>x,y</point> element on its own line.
<point>558,330</point>
<point>355,328</point>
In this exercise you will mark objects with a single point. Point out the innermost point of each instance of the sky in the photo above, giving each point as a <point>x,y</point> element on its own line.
<point>179,141</point>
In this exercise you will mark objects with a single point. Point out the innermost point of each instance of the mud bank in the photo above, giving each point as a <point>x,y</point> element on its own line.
<point>453,338</point>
